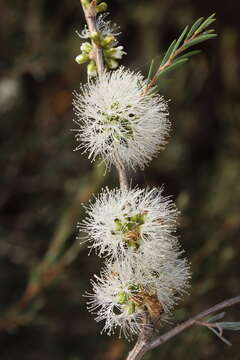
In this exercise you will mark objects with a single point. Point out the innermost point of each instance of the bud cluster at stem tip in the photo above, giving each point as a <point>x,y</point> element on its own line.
<point>103,37</point>
<point>99,5</point>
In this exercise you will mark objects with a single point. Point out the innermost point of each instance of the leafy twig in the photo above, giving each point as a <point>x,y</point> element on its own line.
<point>142,347</point>
<point>188,38</point>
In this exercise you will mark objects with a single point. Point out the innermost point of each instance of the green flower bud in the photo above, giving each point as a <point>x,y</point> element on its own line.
<point>85,3</point>
<point>114,52</point>
<point>134,287</point>
<point>131,307</point>
<point>82,58</point>
<point>86,47</point>
<point>92,69</point>
<point>118,225</point>
<point>111,63</point>
<point>122,297</point>
<point>109,52</point>
<point>95,36</point>
<point>101,7</point>
<point>107,41</point>
<point>138,218</point>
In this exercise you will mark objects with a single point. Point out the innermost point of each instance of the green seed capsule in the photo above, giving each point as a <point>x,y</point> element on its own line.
<point>122,297</point>
<point>131,307</point>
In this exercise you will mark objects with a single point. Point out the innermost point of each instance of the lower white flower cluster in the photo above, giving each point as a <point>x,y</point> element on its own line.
<point>144,272</point>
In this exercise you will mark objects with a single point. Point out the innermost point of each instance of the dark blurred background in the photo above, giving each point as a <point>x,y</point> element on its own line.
<point>43,270</point>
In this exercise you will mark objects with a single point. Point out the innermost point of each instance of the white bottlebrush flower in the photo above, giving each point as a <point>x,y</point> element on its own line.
<point>122,295</point>
<point>122,224</point>
<point>116,119</point>
<point>110,300</point>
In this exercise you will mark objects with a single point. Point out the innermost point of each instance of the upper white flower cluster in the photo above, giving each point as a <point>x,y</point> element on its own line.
<point>135,229</point>
<point>116,119</point>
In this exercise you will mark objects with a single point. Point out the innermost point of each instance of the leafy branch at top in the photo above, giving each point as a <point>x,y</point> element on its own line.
<point>175,56</point>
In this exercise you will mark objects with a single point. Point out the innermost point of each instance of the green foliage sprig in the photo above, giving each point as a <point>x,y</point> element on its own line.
<point>175,55</point>
<point>218,327</point>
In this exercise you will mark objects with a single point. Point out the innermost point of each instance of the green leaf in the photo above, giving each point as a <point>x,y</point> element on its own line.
<point>174,66</point>
<point>189,54</point>
<point>206,23</point>
<point>179,40</point>
<point>234,326</point>
<point>208,31</point>
<point>150,72</point>
<point>194,27</point>
<point>168,52</point>
<point>199,39</point>
<point>216,317</point>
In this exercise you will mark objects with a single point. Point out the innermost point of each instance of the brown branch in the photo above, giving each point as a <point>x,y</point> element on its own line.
<point>141,347</point>
<point>210,325</point>
<point>175,331</point>
<point>144,337</point>
<point>122,174</point>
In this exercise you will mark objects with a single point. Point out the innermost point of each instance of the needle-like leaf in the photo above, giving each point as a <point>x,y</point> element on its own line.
<point>168,53</point>
<point>194,27</point>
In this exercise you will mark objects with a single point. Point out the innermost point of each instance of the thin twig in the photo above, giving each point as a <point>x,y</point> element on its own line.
<point>142,347</point>
<point>90,16</point>
<point>168,63</point>
<point>144,337</point>
<point>210,325</point>
<point>97,55</point>
<point>122,174</point>
<point>167,336</point>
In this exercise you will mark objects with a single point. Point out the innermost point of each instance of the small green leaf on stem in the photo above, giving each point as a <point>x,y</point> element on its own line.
<point>216,317</point>
<point>189,54</point>
<point>206,23</point>
<point>174,66</point>
<point>180,39</point>
<point>168,53</point>
<point>194,27</point>
<point>234,326</point>
<point>199,39</point>
<point>150,72</point>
